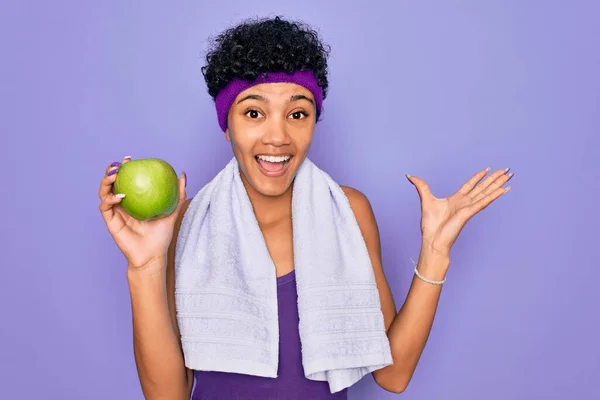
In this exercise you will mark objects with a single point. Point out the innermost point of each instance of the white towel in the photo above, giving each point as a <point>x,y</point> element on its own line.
<point>226,288</point>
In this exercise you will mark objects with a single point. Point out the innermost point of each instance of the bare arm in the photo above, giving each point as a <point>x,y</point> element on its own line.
<point>156,339</point>
<point>410,328</point>
<point>407,330</point>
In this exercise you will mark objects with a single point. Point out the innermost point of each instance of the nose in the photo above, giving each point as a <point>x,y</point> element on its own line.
<point>275,133</point>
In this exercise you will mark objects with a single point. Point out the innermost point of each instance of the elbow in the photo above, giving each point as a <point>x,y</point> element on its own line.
<point>168,391</point>
<point>392,384</point>
<point>397,389</point>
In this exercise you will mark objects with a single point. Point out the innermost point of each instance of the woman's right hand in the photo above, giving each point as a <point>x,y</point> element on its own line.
<point>140,241</point>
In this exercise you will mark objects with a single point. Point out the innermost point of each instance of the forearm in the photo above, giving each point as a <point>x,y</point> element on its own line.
<point>410,328</point>
<point>157,349</point>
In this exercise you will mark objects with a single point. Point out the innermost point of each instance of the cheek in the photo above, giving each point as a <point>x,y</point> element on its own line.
<point>244,131</point>
<point>242,144</point>
<point>303,138</point>
<point>239,147</point>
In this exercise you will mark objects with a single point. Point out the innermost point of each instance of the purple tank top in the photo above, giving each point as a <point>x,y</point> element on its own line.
<point>290,383</point>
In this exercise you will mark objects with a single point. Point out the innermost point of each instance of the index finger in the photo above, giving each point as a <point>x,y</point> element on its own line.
<point>107,181</point>
<point>109,178</point>
<point>473,181</point>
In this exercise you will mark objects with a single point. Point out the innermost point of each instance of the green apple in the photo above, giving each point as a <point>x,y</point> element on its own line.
<point>151,188</point>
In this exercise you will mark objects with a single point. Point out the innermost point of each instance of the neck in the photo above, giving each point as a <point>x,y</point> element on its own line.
<point>269,209</point>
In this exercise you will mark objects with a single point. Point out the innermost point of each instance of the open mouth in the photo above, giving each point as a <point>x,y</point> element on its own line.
<point>273,165</point>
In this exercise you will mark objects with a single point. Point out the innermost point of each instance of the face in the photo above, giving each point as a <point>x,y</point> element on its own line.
<point>270,127</point>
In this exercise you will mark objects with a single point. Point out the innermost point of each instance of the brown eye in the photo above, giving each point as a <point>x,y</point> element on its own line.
<point>253,113</point>
<point>298,115</point>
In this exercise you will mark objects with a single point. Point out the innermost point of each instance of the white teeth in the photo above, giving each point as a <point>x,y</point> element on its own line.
<point>274,159</point>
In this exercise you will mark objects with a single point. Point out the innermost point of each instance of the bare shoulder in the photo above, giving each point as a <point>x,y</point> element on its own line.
<point>361,206</point>
<point>363,212</point>
<point>350,191</point>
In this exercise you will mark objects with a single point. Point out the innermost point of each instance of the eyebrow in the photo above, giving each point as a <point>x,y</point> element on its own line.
<point>296,97</point>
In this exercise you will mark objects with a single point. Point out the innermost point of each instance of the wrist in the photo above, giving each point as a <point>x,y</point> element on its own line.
<point>148,283</point>
<point>432,252</point>
<point>433,264</point>
<point>156,265</point>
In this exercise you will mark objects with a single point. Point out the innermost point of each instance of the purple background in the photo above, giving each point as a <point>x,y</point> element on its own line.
<point>435,89</point>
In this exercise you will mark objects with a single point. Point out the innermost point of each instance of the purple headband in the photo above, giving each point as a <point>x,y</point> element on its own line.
<point>227,95</point>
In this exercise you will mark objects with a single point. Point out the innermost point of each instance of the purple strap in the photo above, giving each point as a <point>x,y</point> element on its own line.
<point>227,95</point>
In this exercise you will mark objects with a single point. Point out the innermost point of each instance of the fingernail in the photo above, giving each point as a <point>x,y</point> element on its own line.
<point>510,175</point>
<point>407,175</point>
<point>506,170</point>
<point>488,169</point>
<point>507,189</point>
<point>120,195</point>
<point>112,171</point>
<point>115,164</point>
<point>185,179</point>
<point>127,158</point>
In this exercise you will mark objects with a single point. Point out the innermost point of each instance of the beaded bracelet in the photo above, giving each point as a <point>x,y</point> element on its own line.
<point>425,279</point>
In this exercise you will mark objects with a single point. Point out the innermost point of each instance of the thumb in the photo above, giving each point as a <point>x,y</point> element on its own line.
<point>422,187</point>
<point>182,193</point>
<point>182,189</point>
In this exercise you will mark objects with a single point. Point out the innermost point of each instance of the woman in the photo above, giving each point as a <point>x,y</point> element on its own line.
<point>270,123</point>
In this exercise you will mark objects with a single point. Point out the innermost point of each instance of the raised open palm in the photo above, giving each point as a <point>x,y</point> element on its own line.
<point>139,241</point>
<point>443,219</point>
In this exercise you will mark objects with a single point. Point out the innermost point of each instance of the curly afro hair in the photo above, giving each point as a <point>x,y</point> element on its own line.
<point>264,45</point>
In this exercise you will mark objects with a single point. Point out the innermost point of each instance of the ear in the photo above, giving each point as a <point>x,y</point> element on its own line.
<point>227,135</point>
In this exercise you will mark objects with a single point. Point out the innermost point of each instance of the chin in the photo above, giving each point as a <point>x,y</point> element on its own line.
<point>268,182</point>
<point>272,190</point>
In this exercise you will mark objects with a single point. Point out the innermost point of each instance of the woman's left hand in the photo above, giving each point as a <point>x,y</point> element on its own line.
<point>442,220</point>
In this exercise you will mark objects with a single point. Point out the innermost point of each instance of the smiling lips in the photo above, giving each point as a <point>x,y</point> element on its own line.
<point>273,166</point>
